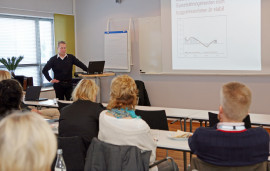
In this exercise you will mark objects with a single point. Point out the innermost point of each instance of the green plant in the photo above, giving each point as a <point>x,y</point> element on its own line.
<point>11,63</point>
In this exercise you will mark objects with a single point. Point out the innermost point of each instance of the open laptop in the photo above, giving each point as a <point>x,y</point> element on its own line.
<point>96,67</point>
<point>32,94</point>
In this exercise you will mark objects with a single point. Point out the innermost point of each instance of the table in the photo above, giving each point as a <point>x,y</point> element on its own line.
<point>165,142</point>
<point>52,103</point>
<point>97,80</point>
<point>255,119</point>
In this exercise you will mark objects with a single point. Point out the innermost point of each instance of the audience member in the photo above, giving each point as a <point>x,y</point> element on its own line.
<point>81,117</point>
<point>230,143</point>
<point>26,143</point>
<point>10,96</point>
<point>4,75</point>
<point>119,125</point>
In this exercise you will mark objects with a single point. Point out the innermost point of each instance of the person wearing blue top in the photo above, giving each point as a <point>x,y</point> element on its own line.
<point>229,143</point>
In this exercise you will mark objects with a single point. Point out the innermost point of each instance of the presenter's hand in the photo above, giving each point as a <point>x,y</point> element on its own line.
<point>54,81</point>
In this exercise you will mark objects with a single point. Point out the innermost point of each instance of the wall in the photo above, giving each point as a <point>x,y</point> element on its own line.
<point>184,91</point>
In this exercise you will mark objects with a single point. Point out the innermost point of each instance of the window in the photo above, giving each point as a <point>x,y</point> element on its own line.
<point>30,37</point>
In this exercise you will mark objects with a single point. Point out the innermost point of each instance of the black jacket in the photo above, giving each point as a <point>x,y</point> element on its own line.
<point>81,118</point>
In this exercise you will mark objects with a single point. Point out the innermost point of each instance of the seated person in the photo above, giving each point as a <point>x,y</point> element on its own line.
<point>4,75</point>
<point>27,143</point>
<point>10,96</point>
<point>119,125</point>
<point>46,113</point>
<point>81,117</point>
<point>230,143</point>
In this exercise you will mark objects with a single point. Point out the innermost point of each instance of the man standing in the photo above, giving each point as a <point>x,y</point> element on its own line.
<point>61,64</point>
<point>229,143</point>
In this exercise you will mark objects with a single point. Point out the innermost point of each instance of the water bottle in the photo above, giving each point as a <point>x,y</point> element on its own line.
<point>60,163</point>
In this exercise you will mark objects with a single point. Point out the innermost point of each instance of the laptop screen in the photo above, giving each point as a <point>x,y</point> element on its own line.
<point>96,67</point>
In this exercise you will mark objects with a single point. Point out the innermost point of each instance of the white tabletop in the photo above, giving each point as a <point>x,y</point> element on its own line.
<point>46,103</point>
<point>171,112</point>
<point>202,115</point>
<point>261,119</point>
<point>165,142</point>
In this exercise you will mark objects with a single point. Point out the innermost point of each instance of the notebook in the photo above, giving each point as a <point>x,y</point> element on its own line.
<point>32,94</point>
<point>96,67</point>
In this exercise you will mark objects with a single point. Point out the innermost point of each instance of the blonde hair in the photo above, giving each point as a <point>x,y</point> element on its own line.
<point>235,100</point>
<point>26,143</point>
<point>123,93</point>
<point>85,90</point>
<point>4,75</point>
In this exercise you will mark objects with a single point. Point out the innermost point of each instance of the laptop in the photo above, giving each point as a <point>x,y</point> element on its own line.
<point>32,94</point>
<point>96,67</point>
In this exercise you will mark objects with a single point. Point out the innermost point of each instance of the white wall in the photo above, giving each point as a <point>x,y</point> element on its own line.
<point>43,8</point>
<point>198,92</point>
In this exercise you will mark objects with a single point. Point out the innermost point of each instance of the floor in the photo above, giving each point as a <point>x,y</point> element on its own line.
<point>176,155</point>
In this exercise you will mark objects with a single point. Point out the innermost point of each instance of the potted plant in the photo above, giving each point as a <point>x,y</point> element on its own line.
<point>11,63</point>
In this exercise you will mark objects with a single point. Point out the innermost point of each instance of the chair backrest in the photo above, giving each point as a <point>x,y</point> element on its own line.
<point>213,120</point>
<point>62,104</point>
<point>156,119</point>
<point>198,164</point>
<point>109,157</point>
<point>74,152</point>
<point>143,96</point>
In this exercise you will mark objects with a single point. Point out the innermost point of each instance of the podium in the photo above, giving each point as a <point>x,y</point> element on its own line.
<point>97,80</point>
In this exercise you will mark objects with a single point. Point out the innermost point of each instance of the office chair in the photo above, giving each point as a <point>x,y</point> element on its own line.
<point>109,157</point>
<point>74,152</point>
<point>156,119</point>
<point>198,164</point>
<point>213,120</point>
<point>62,104</point>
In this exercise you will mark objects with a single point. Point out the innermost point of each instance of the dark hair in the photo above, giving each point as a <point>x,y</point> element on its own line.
<point>10,96</point>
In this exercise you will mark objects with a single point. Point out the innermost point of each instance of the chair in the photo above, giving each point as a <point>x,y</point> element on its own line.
<point>74,152</point>
<point>143,96</point>
<point>156,119</point>
<point>62,104</point>
<point>213,120</point>
<point>197,164</point>
<point>24,81</point>
<point>109,157</point>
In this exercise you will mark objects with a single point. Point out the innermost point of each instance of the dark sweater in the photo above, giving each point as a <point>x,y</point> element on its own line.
<point>230,149</point>
<point>62,68</point>
<point>81,118</point>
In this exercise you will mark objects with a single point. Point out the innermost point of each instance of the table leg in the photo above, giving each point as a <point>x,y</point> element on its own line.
<point>185,124</point>
<point>190,125</point>
<point>97,80</point>
<point>185,160</point>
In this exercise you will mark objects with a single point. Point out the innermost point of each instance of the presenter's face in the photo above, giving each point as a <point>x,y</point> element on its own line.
<point>62,49</point>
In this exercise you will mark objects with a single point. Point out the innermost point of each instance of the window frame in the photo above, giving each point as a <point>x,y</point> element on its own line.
<point>39,64</point>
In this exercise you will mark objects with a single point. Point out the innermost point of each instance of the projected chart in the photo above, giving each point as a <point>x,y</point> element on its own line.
<point>202,37</point>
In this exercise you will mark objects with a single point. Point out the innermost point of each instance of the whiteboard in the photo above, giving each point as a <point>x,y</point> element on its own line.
<point>116,51</point>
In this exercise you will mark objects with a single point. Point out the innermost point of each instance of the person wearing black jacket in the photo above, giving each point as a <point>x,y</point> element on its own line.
<point>61,64</point>
<point>81,118</point>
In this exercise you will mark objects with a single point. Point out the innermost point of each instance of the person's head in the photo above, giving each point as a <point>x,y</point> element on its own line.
<point>4,75</point>
<point>85,90</point>
<point>10,96</point>
<point>123,93</point>
<point>26,143</point>
<point>61,47</point>
<point>235,102</point>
